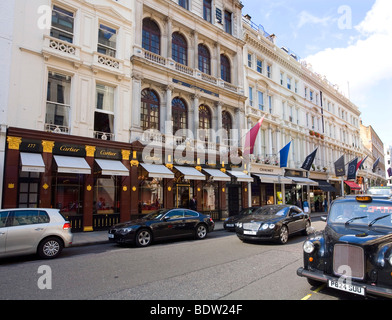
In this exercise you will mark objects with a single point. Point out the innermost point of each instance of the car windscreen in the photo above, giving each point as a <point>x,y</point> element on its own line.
<point>375,213</point>
<point>156,215</point>
<point>271,210</point>
<point>380,191</point>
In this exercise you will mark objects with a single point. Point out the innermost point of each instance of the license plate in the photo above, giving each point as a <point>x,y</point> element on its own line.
<point>250,232</point>
<point>111,236</point>
<point>346,287</point>
<point>229,225</point>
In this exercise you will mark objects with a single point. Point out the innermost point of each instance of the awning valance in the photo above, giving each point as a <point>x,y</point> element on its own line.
<point>352,185</point>
<point>112,167</point>
<point>303,181</point>
<point>190,173</point>
<point>157,171</point>
<point>32,162</point>
<point>217,175</point>
<point>268,178</point>
<point>72,165</point>
<point>325,186</point>
<point>241,176</point>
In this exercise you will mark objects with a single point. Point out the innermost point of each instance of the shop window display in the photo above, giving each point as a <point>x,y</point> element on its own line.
<point>106,195</point>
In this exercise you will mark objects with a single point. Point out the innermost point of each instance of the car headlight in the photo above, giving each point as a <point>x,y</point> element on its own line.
<point>264,226</point>
<point>271,226</point>
<point>390,259</point>
<point>308,246</point>
<point>239,224</point>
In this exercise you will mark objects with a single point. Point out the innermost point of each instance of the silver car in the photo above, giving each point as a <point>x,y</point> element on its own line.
<point>28,231</point>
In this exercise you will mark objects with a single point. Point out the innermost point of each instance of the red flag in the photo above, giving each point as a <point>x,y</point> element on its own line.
<point>361,162</point>
<point>251,138</point>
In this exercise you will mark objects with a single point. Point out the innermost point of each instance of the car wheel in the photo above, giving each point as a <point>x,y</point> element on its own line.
<point>283,235</point>
<point>201,231</point>
<point>50,248</point>
<point>143,238</point>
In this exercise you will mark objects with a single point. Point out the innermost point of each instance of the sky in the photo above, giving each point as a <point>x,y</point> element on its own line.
<point>348,41</point>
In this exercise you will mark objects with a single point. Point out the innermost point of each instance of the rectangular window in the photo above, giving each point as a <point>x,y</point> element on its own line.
<point>228,22</point>
<point>62,24</point>
<point>269,71</point>
<point>281,78</point>
<point>251,96</point>
<point>249,60</point>
<point>58,102</point>
<point>260,97</point>
<point>107,38</point>
<point>184,4</point>
<point>259,66</point>
<point>288,83</point>
<point>207,10</point>
<point>104,112</point>
<point>270,104</point>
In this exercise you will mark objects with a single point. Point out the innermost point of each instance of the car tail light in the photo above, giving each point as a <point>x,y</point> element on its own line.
<point>66,226</point>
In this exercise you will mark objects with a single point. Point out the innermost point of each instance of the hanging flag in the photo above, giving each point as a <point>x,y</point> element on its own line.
<point>376,164</point>
<point>284,155</point>
<point>339,167</point>
<point>360,163</point>
<point>389,172</point>
<point>309,160</point>
<point>352,169</point>
<point>250,138</point>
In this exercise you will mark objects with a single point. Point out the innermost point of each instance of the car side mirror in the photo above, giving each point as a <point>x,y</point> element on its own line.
<point>324,218</point>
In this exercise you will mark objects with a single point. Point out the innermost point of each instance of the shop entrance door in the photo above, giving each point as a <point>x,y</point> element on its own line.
<point>29,190</point>
<point>183,195</point>
<point>234,200</point>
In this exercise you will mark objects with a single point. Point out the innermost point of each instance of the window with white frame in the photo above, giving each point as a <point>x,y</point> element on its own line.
<point>104,111</point>
<point>249,60</point>
<point>62,24</point>
<point>259,66</point>
<point>250,96</point>
<point>289,83</point>
<point>270,104</point>
<point>260,98</point>
<point>269,71</point>
<point>107,38</point>
<point>58,102</point>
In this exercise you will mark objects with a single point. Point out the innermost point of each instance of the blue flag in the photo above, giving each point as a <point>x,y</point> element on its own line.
<point>284,155</point>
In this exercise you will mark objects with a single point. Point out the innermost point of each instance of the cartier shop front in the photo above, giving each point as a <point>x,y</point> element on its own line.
<point>92,182</point>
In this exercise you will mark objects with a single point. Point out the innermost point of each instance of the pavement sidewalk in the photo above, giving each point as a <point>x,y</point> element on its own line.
<point>96,237</point>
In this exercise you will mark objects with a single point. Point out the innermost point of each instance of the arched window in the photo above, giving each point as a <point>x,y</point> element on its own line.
<point>179,114</point>
<point>225,68</point>
<point>151,36</point>
<point>179,49</point>
<point>204,59</point>
<point>204,121</point>
<point>150,110</point>
<point>227,124</point>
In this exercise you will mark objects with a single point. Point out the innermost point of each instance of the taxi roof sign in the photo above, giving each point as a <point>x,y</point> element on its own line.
<point>364,198</point>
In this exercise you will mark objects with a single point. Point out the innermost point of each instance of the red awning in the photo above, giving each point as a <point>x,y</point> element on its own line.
<point>352,185</point>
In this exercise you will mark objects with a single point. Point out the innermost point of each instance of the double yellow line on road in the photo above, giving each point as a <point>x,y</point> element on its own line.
<point>315,291</point>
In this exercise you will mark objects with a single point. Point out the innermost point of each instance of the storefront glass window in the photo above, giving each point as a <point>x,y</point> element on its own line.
<point>151,195</point>
<point>106,195</point>
<point>68,195</point>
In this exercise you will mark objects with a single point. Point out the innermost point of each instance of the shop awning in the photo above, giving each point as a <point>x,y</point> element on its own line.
<point>352,185</point>
<point>325,186</point>
<point>112,167</point>
<point>157,171</point>
<point>191,173</point>
<point>241,176</point>
<point>32,162</point>
<point>72,165</point>
<point>217,175</point>
<point>269,178</point>
<point>303,181</point>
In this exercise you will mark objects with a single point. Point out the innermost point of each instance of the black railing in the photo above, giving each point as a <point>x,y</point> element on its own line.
<point>100,221</point>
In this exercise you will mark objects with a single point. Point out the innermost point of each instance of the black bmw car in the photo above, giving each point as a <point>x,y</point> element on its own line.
<point>229,223</point>
<point>162,224</point>
<point>273,222</point>
<point>354,251</point>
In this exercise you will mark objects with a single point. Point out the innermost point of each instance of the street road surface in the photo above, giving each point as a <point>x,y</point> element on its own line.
<point>220,267</point>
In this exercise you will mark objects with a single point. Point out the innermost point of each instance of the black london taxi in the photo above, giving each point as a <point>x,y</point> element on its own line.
<point>354,251</point>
